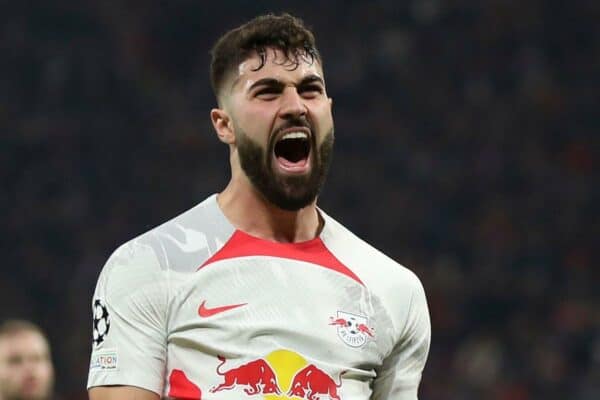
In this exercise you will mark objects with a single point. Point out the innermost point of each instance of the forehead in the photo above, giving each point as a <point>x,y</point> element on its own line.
<point>22,342</point>
<point>277,66</point>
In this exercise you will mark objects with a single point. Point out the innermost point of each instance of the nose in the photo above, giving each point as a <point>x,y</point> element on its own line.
<point>292,105</point>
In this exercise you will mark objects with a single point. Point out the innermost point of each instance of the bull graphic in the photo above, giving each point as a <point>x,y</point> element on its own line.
<point>365,329</point>
<point>257,376</point>
<point>312,383</point>
<point>339,322</point>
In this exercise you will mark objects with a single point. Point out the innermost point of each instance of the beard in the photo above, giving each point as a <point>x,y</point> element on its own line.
<point>289,193</point>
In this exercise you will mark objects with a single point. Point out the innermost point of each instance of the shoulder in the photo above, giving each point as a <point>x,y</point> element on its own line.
<point>353,250</point>
<point>395,285</point>
<point>180,244</point>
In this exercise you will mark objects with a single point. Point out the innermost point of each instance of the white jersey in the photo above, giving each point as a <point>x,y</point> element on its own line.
<point>196,309</point>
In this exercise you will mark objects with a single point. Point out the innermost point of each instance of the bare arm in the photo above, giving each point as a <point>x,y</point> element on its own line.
<point>121,393</point>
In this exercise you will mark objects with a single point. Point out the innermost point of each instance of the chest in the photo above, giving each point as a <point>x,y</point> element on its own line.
<point>284,314</point>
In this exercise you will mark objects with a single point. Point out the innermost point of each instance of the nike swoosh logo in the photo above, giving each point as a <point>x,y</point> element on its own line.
<point>204,311</point>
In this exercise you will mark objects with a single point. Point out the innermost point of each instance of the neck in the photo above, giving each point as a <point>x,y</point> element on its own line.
<point>250,212</point>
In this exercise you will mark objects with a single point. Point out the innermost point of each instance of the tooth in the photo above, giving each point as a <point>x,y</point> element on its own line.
<point>294,135</point>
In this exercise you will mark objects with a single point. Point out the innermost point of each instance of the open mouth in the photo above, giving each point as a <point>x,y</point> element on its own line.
<point>292,151</point>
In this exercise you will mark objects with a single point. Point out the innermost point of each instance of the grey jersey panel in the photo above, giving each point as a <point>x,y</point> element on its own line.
<point>185,242</point>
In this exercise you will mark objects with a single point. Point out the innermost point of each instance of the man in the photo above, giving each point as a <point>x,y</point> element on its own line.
<point>26,371</point>
<point>256,292</point>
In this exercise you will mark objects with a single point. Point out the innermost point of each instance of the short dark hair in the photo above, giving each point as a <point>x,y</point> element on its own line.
<point>282,32</point>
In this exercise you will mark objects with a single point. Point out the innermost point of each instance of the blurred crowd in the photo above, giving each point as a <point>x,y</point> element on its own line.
<point>465,149</point>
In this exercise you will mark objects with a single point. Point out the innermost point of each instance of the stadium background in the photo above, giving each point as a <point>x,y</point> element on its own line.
<point>465,138</point>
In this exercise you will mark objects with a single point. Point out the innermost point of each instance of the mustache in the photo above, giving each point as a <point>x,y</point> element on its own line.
<point>293,122</point>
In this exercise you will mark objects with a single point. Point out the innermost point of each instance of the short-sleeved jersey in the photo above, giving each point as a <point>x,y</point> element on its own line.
<point>196,309</point>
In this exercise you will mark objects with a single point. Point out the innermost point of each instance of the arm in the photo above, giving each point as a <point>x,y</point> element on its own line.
<point>400,374</point>
<point>129,312</point>
<point>121,393</point>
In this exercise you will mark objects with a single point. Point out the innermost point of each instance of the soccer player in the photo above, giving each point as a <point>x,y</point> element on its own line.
<point>256,292</point>
<point>26,370</point>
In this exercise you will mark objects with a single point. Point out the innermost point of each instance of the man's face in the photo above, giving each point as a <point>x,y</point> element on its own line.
<point>283,128</point>
<point>26,371</point>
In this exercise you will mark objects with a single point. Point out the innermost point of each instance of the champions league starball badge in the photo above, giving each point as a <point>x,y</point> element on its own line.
<point>353,329</point>
<point>101,322</point>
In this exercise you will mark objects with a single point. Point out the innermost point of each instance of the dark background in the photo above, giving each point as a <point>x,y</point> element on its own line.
<point>467,143</point>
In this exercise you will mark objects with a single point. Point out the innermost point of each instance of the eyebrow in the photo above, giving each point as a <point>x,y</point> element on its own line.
<point>277,83</point>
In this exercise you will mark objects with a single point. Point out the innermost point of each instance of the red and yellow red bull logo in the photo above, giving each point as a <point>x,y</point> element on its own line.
<point>282,374</point>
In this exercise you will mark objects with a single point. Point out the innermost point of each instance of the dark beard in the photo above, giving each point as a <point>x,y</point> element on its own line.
<point>289,193</point>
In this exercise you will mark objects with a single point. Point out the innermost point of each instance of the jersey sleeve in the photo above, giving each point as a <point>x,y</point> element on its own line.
<point>400,374</point>
<point>129,321</point>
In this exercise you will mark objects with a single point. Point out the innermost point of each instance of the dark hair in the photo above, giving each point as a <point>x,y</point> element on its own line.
<point>284,32</point>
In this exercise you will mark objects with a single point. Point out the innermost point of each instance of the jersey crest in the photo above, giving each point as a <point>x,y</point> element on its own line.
<point>353,329</point>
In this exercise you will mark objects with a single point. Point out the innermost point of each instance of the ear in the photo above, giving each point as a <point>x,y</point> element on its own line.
<point>223,125</point>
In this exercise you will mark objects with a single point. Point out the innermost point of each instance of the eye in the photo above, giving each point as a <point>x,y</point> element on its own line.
<point>267,93</point>
<point>311,91</point>
<point>15,360</point>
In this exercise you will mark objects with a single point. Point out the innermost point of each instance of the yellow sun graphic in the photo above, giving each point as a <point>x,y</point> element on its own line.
<point>285,364</point>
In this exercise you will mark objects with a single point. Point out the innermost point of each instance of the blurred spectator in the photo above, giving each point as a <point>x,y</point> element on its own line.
<point>26,370</point>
